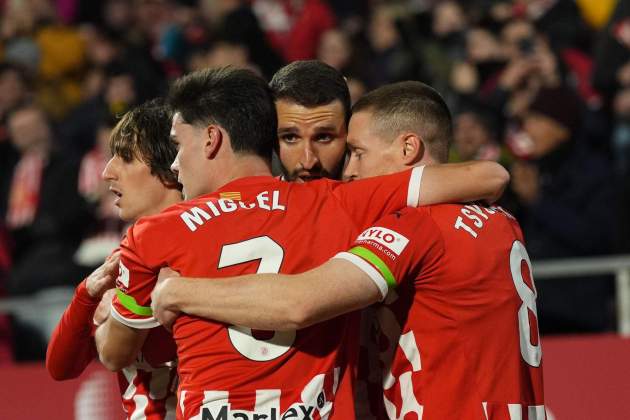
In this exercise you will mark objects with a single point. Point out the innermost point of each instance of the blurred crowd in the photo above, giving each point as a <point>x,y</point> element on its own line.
<point>541,86</point>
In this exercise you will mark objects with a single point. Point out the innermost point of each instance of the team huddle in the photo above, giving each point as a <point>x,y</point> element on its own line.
<point>244,301</point>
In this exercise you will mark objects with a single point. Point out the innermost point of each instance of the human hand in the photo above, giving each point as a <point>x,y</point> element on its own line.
<point>163,311</point>
<point>525,182</point>
<point>104,277</point>
<point>515,72</point>
<point>104,307</point>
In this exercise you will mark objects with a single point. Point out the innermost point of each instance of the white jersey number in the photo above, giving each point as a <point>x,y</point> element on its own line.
<point>532,354</point>
<point>270,255</point>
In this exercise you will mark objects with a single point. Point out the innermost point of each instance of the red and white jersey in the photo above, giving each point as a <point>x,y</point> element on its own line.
<point>148,386</point>
<point>256,224</point>
<point>458,326</point>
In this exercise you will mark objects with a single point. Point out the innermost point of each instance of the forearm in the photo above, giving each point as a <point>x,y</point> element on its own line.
<point>463,182</point>
<point>71,347</point>
<point>251,301</point>
<point>118,345</point>
<point>274,301</point>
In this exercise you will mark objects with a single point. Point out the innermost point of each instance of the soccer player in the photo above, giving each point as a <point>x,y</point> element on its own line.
<point>225,126</point>
<point>459,335</point>
<point>313,105</point>
<point>139,174</point>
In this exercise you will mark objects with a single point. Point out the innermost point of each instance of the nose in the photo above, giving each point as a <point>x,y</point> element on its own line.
<point>175,165</point>
<point>109,172</point>
<point>309,158</point>
<point>350,171</point>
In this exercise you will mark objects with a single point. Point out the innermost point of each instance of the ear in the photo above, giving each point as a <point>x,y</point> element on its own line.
<point>213,141</point>
<point>411,148</point>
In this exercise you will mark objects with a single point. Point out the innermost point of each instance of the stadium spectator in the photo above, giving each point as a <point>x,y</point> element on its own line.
<point>560,190</point>
<point>46,219</point>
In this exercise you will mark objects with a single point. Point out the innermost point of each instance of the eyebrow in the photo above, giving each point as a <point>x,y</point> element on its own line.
<point>287,130</point>
<point>326,128</point>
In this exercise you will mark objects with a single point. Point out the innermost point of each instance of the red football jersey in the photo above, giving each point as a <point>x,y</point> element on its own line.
<point>147,386</point>
<point>256,224</point>
<point>458,326</point>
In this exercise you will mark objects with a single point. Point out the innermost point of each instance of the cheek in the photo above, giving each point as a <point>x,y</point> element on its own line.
<point>332,157</point>
<point>289,155</point>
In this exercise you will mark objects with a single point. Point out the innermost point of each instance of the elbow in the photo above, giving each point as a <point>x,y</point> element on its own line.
<point>113,364</point>
<point>114,361</point>
<point>59,374</point>
<point>499,178</point>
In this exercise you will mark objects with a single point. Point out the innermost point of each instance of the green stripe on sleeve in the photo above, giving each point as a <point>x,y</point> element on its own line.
<point>130,303</point>
<point>373,259</point>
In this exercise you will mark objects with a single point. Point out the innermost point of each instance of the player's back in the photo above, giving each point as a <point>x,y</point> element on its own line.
<point>257,224</point>
<point>464,318</point>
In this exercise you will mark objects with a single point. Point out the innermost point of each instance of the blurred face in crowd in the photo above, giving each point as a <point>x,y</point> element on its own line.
<point>382,30</point>
<point>138,192</point>
<point>312,141</point>
<point>546,134</point>
<point>29,129</point>
<point>190,163</point>
<point>470,135</point>
<point>12,88</point>
<point>334,49</point>
<point>371,154</point>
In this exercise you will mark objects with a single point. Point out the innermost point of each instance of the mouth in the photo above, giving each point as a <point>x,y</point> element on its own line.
<point>117,193</point>
<point>308,176</point>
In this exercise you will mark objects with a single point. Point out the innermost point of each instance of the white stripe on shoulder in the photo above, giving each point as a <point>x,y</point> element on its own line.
<point>373,273</point>
<point>139,324</point>
<point>415,183</point>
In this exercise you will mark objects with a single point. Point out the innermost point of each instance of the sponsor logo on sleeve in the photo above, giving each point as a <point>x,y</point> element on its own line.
<point>388,238</point>
<point>122,282</point>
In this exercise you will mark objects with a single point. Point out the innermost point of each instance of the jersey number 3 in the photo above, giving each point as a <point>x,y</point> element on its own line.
<point>270,254</point>
<point>531,353</point>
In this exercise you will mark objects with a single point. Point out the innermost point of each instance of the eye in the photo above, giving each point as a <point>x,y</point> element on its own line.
<point>356,154</point>
<point>324,138</point>
<point>289,138</point>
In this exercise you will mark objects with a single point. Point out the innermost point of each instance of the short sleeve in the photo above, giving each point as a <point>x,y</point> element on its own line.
<point>132,304</point>
<point>367,200</point>
<point>396,248</point>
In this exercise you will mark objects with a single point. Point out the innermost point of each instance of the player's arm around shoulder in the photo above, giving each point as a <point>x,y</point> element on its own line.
<point>120,338</point>
<point>269,301</point>
<point>463,182</point>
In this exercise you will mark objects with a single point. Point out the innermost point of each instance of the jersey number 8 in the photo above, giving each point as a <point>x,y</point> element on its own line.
<point>531,353</point>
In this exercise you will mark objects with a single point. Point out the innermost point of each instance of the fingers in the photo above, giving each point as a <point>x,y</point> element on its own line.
<point>165,273</point>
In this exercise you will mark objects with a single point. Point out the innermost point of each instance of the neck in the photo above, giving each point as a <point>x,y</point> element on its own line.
<point>241,166</point>
<point>171,196</point>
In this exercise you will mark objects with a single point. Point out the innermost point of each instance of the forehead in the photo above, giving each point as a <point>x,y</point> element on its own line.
<point>361,132</point>
<point>291,114</point>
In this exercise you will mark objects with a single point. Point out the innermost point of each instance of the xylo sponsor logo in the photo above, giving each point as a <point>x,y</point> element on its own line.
<point>299,412</point>
<point>394,241</point>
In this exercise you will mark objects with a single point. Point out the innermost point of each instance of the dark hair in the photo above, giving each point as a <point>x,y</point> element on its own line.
<point>236,99</point>
<point>144,133</point>
<point>311,83</point>
<point>411,106</point>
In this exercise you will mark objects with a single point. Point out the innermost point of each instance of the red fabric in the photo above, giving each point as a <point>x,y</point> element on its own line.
<point>315,18</point>
<point>303,225</point>
<point>146,387</point>
<point>581,66</point>
<point>24,193</point>
<point>71,347</point>
<point>450,336</point>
